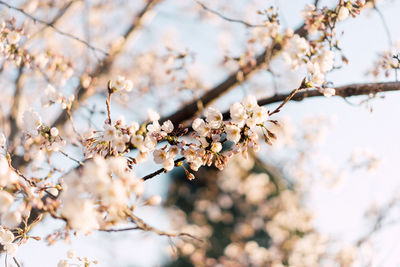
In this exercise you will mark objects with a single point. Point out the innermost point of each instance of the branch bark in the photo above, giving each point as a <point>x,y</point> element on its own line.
<point>189,110</point>
<point>345,91</point>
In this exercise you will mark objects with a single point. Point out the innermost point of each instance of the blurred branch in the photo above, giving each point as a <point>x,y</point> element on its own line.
<point>228,19</point>
<point>57,18</point>
<point>51,25</point>
<point>381,215</point>
<point>102,68</point>
<point>140,224</point>
<point>105,65</point>
<point>15,105</point>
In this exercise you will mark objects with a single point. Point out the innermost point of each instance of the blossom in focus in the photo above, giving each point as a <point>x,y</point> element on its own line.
<point>122,84</point>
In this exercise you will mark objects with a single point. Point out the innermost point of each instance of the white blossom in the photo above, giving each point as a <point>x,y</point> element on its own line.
<point>216,147</point>
<point>71,254</point>
<point>31,122</point>
<point>200,126</point>
<point>160,155</point>
<point>6,239</point>
<point>119,144</point>
<point>260,114</point>
<point>110,132</point>
<point>122,84</point>
<point>12,219</point>
<point>238,114</point>
<point>134,127</point>
<point>167,127</point>
<point>54,131</point>
<point>213,117</point>
<point>63,263</point>
<point>343,13</point>
<point>232,133</point>
<point>6,200</point>
<point>13,37</point>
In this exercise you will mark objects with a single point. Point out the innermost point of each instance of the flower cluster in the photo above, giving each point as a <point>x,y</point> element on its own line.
<point>318,61</point>
<point>209,136</point>
<point>213,132</point>
<point>74,260</point>
<point>321,20</point>
<point>40,134</point>
<point>6,240</point>
<point>387,63</point>
<point>101,191</point>
<point>10,37</point>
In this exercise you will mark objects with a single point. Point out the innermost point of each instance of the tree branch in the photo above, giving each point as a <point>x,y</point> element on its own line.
<point>57,17</point>
<point>15,105</point>
<point>342,91</point>
<point>48,24</point>
<point>189,110</point>
<point>151,175</point>
<point>140,224</point>
<point>105,65</point>
<point>226,18</point>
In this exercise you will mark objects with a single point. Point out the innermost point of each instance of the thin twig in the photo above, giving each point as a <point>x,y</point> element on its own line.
<point>146,227</point>
<point>16,262</point>
<point>228,19</point>
<point>119,230</point>
<point>54,27</point>
<point>290,96</point>
<point>71,158</point>
<point>385,25</point>
<point>58,16</point>
<point>105,65</point>
<point>151,175</point>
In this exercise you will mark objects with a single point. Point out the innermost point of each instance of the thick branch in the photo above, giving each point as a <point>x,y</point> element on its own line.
<point>342,91</point>
<point>192,108</point>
